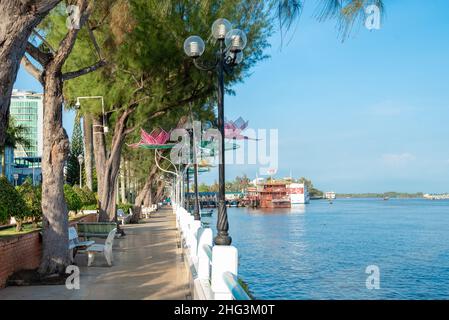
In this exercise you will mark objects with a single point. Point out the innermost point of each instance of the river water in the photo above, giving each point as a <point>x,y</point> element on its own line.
<point>322,250</point>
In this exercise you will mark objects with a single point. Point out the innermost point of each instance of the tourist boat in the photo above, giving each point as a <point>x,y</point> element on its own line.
<point>274,195</point>
<point>298,193</point>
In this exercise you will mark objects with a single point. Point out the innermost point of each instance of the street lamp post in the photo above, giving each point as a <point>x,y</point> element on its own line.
<point>231,43</point>
<point>80,161</point>
<point>105,128</point>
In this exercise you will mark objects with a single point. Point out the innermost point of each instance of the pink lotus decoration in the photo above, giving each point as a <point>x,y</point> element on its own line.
<point>234,129</point>
<point>154,140</point>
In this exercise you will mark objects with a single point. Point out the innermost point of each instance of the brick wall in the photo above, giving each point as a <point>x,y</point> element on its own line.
<point>18,253</point>
<point>24,251</point>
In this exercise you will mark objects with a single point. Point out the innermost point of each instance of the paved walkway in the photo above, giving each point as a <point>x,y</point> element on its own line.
<point>147,265</point>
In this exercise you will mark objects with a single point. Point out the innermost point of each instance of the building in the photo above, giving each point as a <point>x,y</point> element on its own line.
<point>9,164</point>
<point>27,110</point>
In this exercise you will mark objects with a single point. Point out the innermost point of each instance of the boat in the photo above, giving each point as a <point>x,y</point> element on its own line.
<point>386,198</point>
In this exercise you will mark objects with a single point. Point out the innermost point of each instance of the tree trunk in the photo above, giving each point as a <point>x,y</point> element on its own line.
<point>55,252</point>
<point>147,201</point>
<point>143,194</point>
<point>111,169</point>
<point>88,154</point>
<point>159,191</point>
<point>128,181</point>
<point>55,222</point>
<point>3,168</point>
<point>99,147</point>
<point>122,182</point>
<point>18,18</point>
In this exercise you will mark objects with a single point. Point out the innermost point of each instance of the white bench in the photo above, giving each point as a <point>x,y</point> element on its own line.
<point>147,211</point>
<point>105,249</point>
<point>123,218</point>
<point>75,244</point>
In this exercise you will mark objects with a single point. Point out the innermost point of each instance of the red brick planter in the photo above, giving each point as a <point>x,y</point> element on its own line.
<point>23,252</point>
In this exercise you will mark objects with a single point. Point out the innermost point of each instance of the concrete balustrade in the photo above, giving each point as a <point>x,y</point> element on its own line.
<point>214,269</point>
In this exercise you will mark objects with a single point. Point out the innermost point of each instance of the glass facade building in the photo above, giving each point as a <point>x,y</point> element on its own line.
<point>27,110</point>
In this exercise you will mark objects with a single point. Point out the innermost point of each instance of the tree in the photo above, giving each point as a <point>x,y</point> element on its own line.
<point>76,149</point>
<point>149,76</point>
<point>12,204</point>
<point>73,200</point>
<point>18,19</point>
<point>15,136</point>
<point>313,192</point>
<point>32,195</point>
<point>89,154</point>
<point>55,256</point>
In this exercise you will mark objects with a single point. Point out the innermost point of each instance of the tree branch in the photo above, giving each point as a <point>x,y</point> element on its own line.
<point>31,68</point>
<point>66,45</point>
<point>94,41</point>
<point>81,72</point>
<point>41,57</point>
<point>44,6</point>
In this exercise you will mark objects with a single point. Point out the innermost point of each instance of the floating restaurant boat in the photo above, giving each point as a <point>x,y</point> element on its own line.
<point>274,195</point>
<point>298,193</point>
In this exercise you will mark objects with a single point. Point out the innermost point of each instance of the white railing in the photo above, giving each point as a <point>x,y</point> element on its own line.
<point>214,269</point>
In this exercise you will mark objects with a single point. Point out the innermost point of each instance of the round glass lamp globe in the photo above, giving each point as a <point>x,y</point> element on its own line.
<point>194,46</point>
<point>236,40</point>
<point>220,28</point>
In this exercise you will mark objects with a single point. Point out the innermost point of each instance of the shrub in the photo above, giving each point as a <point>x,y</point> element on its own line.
<point>72,199</point>
<point>125,207</point>
<point>86,196</point>
<point>32,195</point>
<point>12,204</point>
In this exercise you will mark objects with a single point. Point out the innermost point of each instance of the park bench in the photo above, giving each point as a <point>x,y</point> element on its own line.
<point>105,249</point>
<point>75,244</point>
<point>95,229</point>
<point>123,218</point>
<point>147,211</point>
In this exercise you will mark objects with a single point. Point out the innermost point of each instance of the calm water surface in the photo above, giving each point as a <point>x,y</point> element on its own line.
<point>321,250</point>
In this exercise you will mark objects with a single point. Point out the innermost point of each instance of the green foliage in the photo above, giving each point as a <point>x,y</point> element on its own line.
<point>76,149</point>
<point>399,195</point>
<point>239,184</point>
<point>32,195</point>
<point>11,203</point>
<point>16,135</point>
<point>313,192</point>
<point>72,199</point>
<point>125,207</point>
<point>90,207</point>
<point>86,196</point>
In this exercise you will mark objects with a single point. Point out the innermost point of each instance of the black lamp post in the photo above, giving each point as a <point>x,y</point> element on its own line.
<point>193,159</point>
<point>231,43</point>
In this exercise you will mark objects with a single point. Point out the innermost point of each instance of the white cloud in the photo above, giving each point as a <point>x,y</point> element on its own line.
<point>397,159</point>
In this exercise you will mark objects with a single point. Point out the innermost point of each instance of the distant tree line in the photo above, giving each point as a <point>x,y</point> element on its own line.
<point>399,195</point>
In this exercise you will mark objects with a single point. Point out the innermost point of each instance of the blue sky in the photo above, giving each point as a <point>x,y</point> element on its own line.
<point>366,115</point>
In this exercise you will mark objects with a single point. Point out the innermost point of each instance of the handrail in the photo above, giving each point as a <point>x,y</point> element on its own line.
<point>215,275</point>
<point>234,286</point>
<point>208,250</point>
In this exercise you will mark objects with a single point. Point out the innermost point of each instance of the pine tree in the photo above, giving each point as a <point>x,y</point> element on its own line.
<point>76,149</point>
